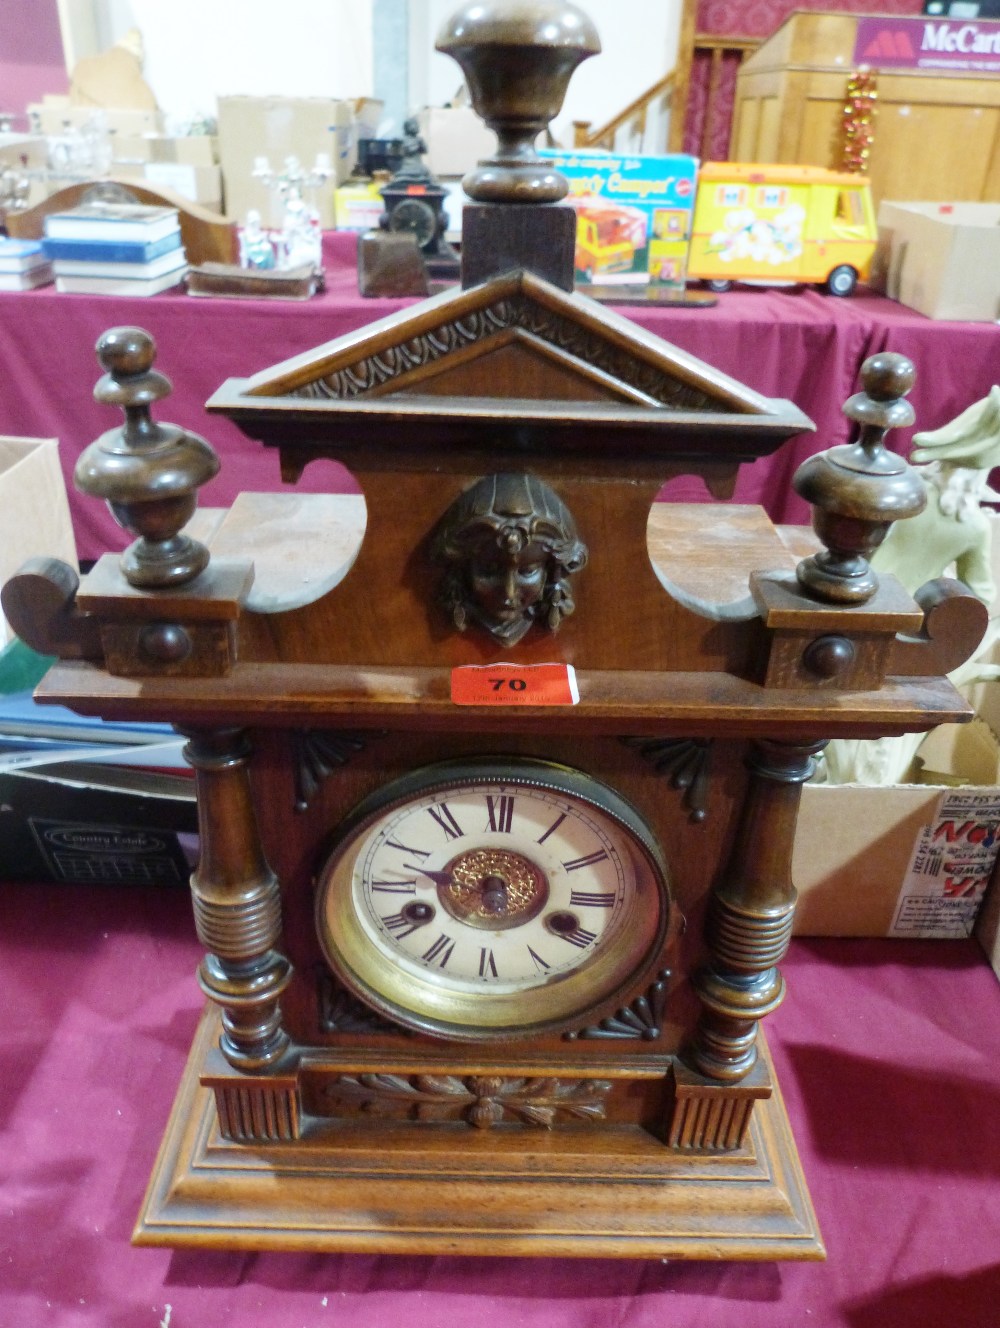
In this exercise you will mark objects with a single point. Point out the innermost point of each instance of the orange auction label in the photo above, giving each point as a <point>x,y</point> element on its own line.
<point>514,684</point>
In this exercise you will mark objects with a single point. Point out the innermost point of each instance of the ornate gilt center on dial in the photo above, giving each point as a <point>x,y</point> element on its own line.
<point>492,898</point>
<point>493,889</point>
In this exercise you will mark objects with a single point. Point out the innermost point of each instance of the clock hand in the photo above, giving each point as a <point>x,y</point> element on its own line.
<point>438,877</point>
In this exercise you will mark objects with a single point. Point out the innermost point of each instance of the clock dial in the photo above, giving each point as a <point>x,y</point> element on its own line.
<point>498,898</point>
<point>412,214</point>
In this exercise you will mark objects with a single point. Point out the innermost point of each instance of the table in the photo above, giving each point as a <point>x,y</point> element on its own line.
<point>797,344</point>
<point>888,1053</point>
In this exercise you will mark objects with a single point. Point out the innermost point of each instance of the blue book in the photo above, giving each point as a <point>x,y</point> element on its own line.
<point>111,251</point>
<point>11,248</point>
<point>20,256</point>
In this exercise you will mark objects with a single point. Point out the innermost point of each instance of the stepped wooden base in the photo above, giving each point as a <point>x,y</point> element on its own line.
<point>406,1189</point>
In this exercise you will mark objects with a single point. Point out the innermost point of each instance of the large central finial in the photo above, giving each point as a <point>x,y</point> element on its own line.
<point>517,60</point>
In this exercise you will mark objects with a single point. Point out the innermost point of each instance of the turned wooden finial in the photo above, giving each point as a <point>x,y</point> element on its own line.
<point>517,59</point>
<point>859,489</point>
<point>148,473</point>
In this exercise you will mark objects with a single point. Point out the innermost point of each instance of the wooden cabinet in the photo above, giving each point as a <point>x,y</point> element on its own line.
<point>937,136</point>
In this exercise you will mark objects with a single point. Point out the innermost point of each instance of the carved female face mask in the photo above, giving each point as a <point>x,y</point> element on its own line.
<point>509,545</point>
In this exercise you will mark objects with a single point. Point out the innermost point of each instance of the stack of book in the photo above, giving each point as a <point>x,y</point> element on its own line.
<point>115,249</point>
<point>23,264</point>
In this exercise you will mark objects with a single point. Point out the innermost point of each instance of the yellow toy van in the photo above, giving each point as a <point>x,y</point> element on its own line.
<point>781,224</point>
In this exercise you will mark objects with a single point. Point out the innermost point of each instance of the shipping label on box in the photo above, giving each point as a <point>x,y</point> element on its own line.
<point>953,860</point>
<point>633,215</point>
<point>871,860</point>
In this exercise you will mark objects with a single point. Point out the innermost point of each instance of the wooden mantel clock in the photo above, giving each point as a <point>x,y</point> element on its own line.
<point>497,809</point>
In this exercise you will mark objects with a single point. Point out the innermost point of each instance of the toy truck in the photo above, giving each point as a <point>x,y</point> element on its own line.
<point>607,239</point>
<point>781,224</point>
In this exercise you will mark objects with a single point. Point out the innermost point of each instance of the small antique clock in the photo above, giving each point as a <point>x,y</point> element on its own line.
<point>498,777</point>
<point>415,207</point>
<point>486,899</point>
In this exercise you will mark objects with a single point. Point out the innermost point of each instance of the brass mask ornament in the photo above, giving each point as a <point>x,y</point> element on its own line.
<point>509,546</point>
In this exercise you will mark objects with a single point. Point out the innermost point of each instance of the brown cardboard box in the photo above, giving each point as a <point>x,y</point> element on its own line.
<point>36,520</point>
<point>190,150</point>
<point>988,924</point>
<point>27,150</point>
<point>202,184</point>
<point>911,859</point>
<point>855,845</point>
<point>53,114</point>
<point>276,128</point>
<point>942,259</point>
<point>456,139</point>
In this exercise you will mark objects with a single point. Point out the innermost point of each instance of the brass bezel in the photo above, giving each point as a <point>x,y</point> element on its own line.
<point>429,1006</point>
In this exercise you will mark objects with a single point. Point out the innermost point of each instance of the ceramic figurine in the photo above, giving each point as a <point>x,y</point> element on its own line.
<point>301,240</point>
<point>256,249</point>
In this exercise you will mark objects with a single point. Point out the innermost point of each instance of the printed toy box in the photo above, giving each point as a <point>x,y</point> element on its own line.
<point>633,215</point>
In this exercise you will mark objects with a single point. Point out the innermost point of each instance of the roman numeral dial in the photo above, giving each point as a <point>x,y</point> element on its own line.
<point>495,896</point>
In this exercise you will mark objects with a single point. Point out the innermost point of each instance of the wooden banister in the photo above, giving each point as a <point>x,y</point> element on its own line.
<point>634,115</point>
<point>674,86</point>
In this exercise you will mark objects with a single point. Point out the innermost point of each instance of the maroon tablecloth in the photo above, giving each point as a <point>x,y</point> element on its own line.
<point>888,1054</point>
<point>796,344</point>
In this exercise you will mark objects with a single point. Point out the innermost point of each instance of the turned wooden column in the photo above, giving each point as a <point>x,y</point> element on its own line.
<point>237,906</point>
<point>750,915</point>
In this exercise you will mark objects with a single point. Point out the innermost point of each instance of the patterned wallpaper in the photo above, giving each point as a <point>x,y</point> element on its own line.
<point>749,18</point>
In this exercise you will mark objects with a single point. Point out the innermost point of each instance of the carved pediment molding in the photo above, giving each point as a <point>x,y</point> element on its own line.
<point>448,326</point>
<point>539,327</point>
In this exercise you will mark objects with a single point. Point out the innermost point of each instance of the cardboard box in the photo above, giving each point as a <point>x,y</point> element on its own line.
<point>202,184</point>
<point>857,848</point>
<point>942,259</point>
<point>456,139</point>
<point>189,150</point>
<point>358,206</point>
<point>987,931</point>
<point>19,152</point>
<point>80,833</point>
<point>274,129</point>
<point>909,860</point>
<point>53,115</point>
<point>634,215</point>
<point>23,151</point>
<point>36,521</point>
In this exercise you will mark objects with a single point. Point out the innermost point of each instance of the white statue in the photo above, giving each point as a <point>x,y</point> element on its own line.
<point>256,249</point>
<point>951,531</point>
<point>301,238</point>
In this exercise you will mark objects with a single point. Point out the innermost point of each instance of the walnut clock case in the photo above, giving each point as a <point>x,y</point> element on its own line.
<point>487,977</point>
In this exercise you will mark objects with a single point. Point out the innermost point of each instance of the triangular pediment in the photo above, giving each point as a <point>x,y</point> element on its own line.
<point>521,354</point>
<point>439,337</point>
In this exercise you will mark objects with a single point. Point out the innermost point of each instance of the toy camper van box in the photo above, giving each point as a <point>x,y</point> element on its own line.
<point>781,224</point>
<point>633,215</point>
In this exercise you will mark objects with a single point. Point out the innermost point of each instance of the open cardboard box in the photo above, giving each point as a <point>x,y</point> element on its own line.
<point>866,858</point>
<point>942,259</point>
<point>277,128</point>
<point>907,860</point>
